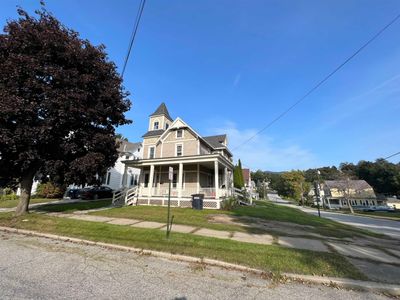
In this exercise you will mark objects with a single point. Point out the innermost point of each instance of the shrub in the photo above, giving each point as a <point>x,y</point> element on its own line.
<point>8,197</point>
<point>229,203</point>
<point>8,191</point>
<point>49,190</point>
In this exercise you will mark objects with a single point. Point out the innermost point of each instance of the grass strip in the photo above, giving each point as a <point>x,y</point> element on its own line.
<point>266,257</point>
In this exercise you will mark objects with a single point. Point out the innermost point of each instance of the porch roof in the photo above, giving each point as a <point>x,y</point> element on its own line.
<point>182,159</point>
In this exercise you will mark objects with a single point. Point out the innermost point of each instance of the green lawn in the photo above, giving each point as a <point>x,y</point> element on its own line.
<point>263,210</point>
<point>381,214</point>
<point>14,203</point>
<point>71,207</point>
<point>269,258</point>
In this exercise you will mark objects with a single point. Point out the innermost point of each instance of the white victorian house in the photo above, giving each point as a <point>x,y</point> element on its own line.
<point>201,165</point>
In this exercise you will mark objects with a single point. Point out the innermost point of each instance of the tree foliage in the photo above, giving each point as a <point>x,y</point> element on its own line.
<point>383,176</point>
<point>238,180</point>
<point>61,98</point>
<point>292,185</point>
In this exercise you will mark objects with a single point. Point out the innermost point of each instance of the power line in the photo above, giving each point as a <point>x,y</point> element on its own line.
<point>133,35</point>
<point>320,82</point>
<point>390,156</point>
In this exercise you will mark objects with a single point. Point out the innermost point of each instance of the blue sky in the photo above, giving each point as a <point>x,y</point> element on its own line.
<point>232,66</point>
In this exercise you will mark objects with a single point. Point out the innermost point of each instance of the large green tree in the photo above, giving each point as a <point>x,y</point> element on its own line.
<point>293,185</point>
<point>61,99</point>
<point>382,175</point>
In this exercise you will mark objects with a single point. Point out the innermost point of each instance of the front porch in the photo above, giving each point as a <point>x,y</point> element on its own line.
<point>212,177</point>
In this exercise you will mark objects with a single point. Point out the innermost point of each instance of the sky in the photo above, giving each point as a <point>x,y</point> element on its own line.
<point>231,67</point>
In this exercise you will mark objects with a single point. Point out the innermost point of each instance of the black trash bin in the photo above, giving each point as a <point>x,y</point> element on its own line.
<point>197,201</point>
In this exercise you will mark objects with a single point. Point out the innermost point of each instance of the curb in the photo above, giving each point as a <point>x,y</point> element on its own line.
<point>370,286</point>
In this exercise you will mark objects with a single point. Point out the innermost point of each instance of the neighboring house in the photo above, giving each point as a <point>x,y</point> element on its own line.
<point>250,185</point>
<point>35,184</point>
<point>392,202</point>
<point>201,165</point>
<point>338,194</point>
<point>114,178</point>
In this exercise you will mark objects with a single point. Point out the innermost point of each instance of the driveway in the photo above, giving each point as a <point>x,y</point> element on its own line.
<point>36,268</point>
<point>388,227</point>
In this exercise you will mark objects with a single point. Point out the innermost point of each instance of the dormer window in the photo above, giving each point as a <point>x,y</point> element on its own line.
<point>156,125</point>
<point>179,133</point>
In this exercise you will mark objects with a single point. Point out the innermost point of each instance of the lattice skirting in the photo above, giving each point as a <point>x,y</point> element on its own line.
<point>207,204</point>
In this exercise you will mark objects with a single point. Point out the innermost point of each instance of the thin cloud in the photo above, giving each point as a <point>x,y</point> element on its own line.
<point>361,102</point>
<point>263,152</point>
<point>237,79</point>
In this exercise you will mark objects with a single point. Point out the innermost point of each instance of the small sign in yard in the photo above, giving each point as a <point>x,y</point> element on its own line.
<point>170,177</point>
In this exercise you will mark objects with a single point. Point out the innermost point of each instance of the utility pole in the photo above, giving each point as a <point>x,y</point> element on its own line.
<point>317,193</point>
<point>302,194</point>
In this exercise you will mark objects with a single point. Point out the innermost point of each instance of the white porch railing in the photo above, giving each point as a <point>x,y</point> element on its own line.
<point>130,196</point>
<point>118,197</point>
<point>185,192</point>
<point>125,196</point>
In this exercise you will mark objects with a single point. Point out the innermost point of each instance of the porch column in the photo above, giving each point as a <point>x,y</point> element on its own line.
<point>198,179</point>
<point>180,177</point>
<point>140,182</point>
<point>159,182</point>
<point>226,177</point>
<point>124,176</point>
<point>151,180</point>
<point>216,184</point>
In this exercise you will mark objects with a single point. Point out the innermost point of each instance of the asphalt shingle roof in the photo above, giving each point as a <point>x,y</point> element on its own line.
<point>216,140</point>
<point>154,133</point>
<point>162,110</point>
<point>352,184</point>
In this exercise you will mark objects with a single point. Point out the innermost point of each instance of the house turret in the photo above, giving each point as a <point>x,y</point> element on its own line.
<point>160,119</point>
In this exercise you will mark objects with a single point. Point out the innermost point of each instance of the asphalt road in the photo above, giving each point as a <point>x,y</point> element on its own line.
<point>388,227</point>
<point>37,268</point>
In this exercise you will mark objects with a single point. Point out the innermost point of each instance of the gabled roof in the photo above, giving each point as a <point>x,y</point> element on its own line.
<point>344,184</point>
<point>126,146</point>
<point>162,110</point>
<point>153,133</point>
<point>216,141</point>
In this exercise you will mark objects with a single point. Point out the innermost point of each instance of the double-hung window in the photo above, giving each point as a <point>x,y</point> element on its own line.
<point>151,152</point>
<point>179,150</point>
<point>156,125</point>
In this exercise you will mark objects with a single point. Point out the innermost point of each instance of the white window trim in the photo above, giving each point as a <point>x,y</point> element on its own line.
<point>154,125</point>
<point>148,154</point>
<point>183,134</point>
<point>176,149</point>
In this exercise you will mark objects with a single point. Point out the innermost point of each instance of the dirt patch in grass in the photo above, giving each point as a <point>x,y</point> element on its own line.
<point>284,228</point>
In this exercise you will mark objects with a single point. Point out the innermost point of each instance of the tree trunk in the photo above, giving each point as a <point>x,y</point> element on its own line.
<point>26,187</point>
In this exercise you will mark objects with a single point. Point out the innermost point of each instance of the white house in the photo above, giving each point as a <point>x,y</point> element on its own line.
<point>114,178</point>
